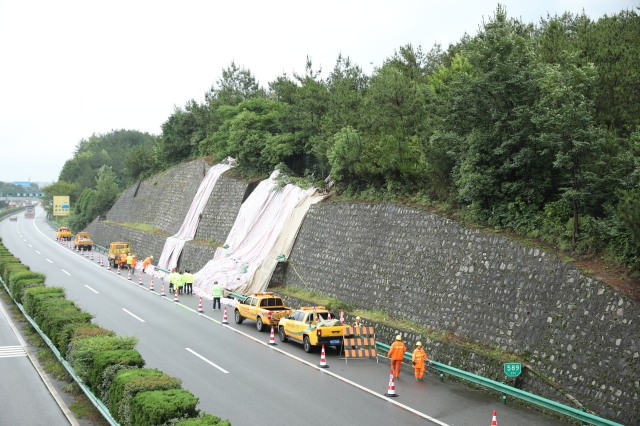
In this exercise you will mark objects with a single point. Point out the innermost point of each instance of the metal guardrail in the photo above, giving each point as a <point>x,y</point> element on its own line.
<point>583,416</point>
<point>94,399</point>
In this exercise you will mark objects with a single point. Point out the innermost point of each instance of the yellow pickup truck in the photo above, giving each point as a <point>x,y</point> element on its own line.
<point>311,326</point>
<point>63,233</point>
<point>262,307</point>
<point>83,241</point>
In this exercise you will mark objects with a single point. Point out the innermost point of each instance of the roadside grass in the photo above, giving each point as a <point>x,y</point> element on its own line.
<point>140,227</point>
<point>381,317</point>
<point>81,406</point>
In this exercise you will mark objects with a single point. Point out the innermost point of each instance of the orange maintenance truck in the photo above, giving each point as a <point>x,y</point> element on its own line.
<point>262,307</point>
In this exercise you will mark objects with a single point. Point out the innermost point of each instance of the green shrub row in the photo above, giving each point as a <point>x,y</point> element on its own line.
<point>108,364</point>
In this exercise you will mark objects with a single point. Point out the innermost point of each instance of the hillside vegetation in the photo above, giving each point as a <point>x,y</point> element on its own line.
<point>526,128</point>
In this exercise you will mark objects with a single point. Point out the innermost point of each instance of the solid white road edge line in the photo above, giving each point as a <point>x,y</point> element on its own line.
<point>136,317</point>
<point>344,379</point>
<point>65,410</point>
<point>91,289</point>
<point>207,361</point>
<point>65,272</point>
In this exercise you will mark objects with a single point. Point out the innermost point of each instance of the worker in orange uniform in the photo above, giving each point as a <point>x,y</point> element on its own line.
<point>396,353</point>
<point>134,261</point>
<point>123,260</point>
<point>146,263</point>
<point>419,358</point>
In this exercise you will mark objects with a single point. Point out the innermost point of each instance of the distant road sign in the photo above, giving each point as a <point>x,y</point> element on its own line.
<point>25,184</point>
<point>512,369</point>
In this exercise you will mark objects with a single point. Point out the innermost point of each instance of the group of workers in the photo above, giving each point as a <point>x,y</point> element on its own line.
<point>131,261</point>
<point>182,282</point>
<point>419,358</point>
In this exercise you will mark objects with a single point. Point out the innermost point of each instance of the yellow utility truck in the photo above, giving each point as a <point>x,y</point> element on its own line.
<point>312,326</point>
<point>63,233</point>
<point>115,250</point>
<point>83,241</point>
<point>262,307</point>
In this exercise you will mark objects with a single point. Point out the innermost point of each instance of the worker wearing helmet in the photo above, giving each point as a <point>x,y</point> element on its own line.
<point>396,353</point>
<point>123,259</point>
<point>419,357</point>
<point>146,263</point>
<point>358,322</point>
<point>129,259</point>
<point>173,276</point>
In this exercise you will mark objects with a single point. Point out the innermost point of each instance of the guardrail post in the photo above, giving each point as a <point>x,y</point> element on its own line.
<point>504,395</point>
<point>441,376</point>
<point>582,422</point>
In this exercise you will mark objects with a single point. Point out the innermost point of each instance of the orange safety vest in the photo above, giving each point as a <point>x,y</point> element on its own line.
<point>397,350</point>
<point>419,357</point>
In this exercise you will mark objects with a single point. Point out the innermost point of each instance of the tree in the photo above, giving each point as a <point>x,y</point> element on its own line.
<point>106,190</point>
<point>564,114</point>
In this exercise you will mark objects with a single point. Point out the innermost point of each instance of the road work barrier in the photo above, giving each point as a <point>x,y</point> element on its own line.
<point>359,343</point>
<point>575,413</point>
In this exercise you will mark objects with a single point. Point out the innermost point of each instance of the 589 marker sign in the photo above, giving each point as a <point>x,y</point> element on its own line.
<point>512,369</point>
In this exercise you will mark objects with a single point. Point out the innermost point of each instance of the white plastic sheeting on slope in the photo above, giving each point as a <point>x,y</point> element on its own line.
<point>266,227</point>
<point>174,245</point>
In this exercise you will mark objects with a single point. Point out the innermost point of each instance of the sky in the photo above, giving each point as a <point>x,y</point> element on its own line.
<point>69,69</point>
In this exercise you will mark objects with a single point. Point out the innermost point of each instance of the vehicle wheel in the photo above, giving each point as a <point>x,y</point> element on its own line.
<point>259,324</point>
<point>306,344</point>
<point>283,336</point>
<point>238,317</point>
<point>90,248</point>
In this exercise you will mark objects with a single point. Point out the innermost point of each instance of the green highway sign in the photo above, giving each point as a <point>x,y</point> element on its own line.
<point>512,369</point>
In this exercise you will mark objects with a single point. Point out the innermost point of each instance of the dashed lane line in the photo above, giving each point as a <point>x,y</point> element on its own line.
<point>136,317</point>
<point>207,361</point>
<point>91,289</point>
<point>65,272</point>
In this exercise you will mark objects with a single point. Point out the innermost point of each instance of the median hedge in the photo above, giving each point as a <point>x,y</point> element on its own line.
<point>107,363</point>
<point>157,407</point>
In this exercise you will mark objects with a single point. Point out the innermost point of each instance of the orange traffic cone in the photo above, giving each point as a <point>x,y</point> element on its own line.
<point>341,316</point>
<point>151,284</point>
<point>494,421</point>
<point>391,391</point>
<point>101,261</point>
<point>91,254</point>
<point>162,293</point>
<point>140,278</point>
<point>272,338</point>
<point>323,360</point>
<point>175,296</point>
<point>200,305</point>
<point>129,277</point>
<point>118,269</point>
<point>225,321</point>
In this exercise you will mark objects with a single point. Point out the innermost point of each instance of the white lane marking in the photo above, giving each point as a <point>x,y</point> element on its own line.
<point>369,391</point>
<point>30,245</point>
<point>138,318</point>
<point>206,360</point>
<point>49,261</point>
<point>91,289</point>
<point>12,351</point>
<point>23,239</point>
<point>38,252</point>
<point>64,271</point>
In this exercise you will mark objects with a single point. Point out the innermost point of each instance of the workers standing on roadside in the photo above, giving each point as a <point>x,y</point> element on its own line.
<point>179,282</point>
<point>396,353</point>
<point>188,282</point>
<point>419,358</point>
<point>146,263</point>
<point>134,261</point>
<point>172,279</point>
<point>123,260</point>
<point>129,259</point>
<point>216,291</point>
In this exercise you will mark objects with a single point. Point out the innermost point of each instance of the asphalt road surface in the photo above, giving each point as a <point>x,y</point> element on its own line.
<point>232,369</point>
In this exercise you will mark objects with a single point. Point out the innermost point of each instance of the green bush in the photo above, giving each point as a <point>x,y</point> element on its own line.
<point>5,260</point>
<point>30,294</point>
<point>204,420</point>
<point>157,407</point>
<point>116,392</point>
<point>69,331</point>
<point>22,285</point>
<point>107,379</point>
<point>102,360</point>
<point>49,307</point>
<point>37,299</point>
<point>11,269</point>
<point>55,314</point>
<point>144,384</point>
<point>81,351</point>
<point>15,277</point>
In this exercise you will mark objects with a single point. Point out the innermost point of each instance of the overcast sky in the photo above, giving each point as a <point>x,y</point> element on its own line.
<point>69,69</point>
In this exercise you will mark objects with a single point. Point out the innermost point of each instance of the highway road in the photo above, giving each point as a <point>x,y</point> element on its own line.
<point>232,369</point>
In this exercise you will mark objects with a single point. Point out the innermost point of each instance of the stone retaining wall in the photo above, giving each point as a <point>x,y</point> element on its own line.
<point>412,264</point>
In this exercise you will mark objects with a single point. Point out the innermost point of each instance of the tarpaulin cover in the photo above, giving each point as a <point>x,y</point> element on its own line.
<point>174,245</point>
<point>266,227</point>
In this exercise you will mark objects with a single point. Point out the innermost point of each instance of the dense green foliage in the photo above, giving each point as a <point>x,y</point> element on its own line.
<point>533,128</point>
<point>103,360</point>
<point>80,352</point>
<point>157,407</point>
